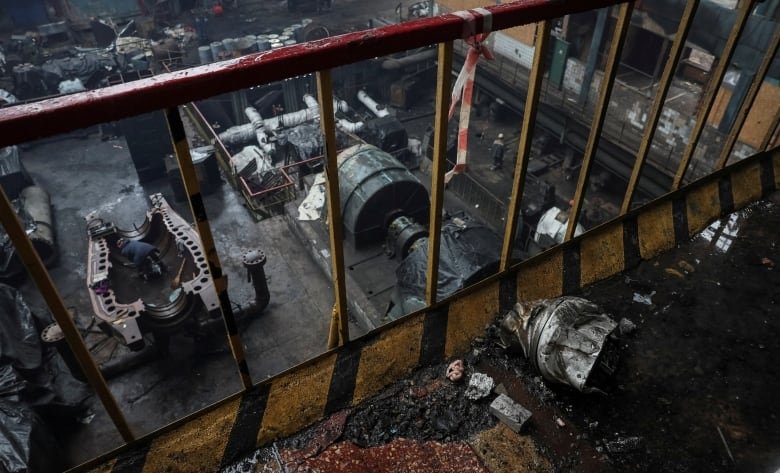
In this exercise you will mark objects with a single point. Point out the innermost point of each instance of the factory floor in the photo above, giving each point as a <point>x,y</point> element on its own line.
<point>86,174</point>
<point>694,389</point>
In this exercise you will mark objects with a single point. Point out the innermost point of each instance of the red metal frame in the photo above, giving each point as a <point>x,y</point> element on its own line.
<point>58,115</point>
<point>283,170</point>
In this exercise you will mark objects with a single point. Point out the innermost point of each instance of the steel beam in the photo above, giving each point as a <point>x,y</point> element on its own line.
<point>607,82</point>
<point>443,81</point>
<point>660,98</point>
<point>708,99</point>
<point>47,289</point>
<point>339,327</point>
<point>195,199</point>
<point>747,104</point>
<point>524,145</point>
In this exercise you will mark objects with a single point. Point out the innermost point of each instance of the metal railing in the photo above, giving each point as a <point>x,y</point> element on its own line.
<point>170,91</point>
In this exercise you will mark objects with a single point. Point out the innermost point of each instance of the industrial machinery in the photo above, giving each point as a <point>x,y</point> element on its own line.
<point>127,307</point>
<point>375,190</point>
<point>552,227</point>
<point>33,207</point>
<point>383,202</point>
<point>468,253</point>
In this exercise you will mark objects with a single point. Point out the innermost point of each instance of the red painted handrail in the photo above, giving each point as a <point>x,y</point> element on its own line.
<point>62,114</point>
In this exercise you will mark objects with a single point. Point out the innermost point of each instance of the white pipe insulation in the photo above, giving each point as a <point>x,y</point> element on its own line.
<point>338,105</point>
<point>240,134</point>
<point>378,110</point>
<point>348,126</point>
<point>259,125</point>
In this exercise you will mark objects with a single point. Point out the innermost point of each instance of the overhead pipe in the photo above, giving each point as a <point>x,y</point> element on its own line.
<point>240,134</point>
<point>339,105</point>
<point>348,126</point>
<point>371,104</point>
<point>259,125</point>
<point>393,64</point>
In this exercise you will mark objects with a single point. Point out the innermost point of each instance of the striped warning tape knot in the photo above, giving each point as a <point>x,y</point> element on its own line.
<point>464,84</point>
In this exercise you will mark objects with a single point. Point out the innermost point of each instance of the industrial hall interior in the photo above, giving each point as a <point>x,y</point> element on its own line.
<point>446,236</point>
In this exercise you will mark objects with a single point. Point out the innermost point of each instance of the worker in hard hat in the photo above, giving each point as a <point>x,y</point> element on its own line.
<point>497,152</point>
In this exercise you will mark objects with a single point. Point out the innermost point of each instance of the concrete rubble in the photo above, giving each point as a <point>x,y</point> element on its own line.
<point>480,385</point>
<point>509,412</point>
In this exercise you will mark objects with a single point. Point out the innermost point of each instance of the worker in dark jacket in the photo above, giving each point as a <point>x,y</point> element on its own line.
<point>497,152</point>
<point>145,257</point>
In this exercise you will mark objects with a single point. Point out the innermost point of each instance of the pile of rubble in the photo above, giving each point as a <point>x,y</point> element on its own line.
<point>436,418</point>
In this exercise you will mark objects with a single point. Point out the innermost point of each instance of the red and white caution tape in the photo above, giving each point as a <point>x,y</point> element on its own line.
<point>464,84</point>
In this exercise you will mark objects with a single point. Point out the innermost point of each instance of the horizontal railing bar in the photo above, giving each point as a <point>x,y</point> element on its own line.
<point>58,115</point>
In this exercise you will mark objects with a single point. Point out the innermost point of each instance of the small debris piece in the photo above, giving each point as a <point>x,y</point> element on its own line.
<point>642,299</point>
<point>509,412</point>
<point>326,434</point>
<point>455,371</point>
<point>480,385</point>
<point>674,272</point>
<point>623,445</point>
<point>559,422</point>
<point>418,392</point>
<point>723,439</point>
<point>686,266</point>
<point>626,326</point>
<point>768,262</point>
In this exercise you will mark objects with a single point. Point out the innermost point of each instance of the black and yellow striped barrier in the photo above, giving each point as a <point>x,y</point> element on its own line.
<point>350,374</point>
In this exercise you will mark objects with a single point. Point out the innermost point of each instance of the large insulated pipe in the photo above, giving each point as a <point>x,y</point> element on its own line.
<point>338,105</point>
<point>36,203</point>
<point>371,104</point>
<point>238,135</point>
<point>259,125</point>
<point>292,119</point>
<point>254,262</point>
<point>392,64</point>
<point>242,134</point>
<point>348,126</point>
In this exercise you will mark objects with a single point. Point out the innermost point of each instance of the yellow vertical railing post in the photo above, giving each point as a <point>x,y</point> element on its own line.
<point>658,104</point>
<point>771,132</point>
<point>47,289</point>
<point>747,103</point>
<point>524,145</point>
<point>607,82</point>
<point>339,326</point>
<point>192,186</point>
<point>444,79</point>
<point>708,99</point>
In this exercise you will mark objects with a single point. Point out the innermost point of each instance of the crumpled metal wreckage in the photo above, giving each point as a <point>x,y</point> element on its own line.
<point>570,340</point>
